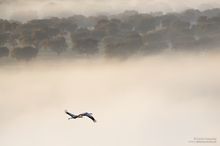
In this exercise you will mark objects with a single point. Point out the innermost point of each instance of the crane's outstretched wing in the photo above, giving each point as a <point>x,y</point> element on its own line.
<point>70,114</point>
<point>89,115</point>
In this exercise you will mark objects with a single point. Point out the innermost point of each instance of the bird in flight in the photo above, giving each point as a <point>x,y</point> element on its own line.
<point>72,116</point>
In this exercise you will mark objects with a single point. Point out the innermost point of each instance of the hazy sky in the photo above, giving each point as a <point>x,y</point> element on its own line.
<point>157,101</point>
<point>23,9</point>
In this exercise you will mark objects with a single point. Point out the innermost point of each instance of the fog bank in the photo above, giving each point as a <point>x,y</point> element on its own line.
<point>32,9</point>
<point>158,100</point>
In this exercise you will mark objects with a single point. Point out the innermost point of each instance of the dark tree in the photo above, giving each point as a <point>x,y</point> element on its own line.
<point>4,38</point>
<point>86,46</point>
<point>24,53</point>
<point>57,44</point>
<point>38,36</point>
<point>4,51</point>
<point>122,45</point>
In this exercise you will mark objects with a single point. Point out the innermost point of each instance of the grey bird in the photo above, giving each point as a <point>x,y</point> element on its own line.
<point>72,116</point>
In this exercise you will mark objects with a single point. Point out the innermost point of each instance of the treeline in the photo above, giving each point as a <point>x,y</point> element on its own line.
<point>120,35</point>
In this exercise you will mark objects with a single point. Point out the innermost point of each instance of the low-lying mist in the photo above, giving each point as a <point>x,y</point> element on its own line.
<point>24,10</point>
<point>157,100</point>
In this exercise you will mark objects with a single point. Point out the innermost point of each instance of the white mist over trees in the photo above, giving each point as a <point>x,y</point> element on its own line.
<point>25,10</point>
<point>121,35</point>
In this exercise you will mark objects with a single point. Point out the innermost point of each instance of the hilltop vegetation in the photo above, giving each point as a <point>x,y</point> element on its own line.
<point>120,35</point>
